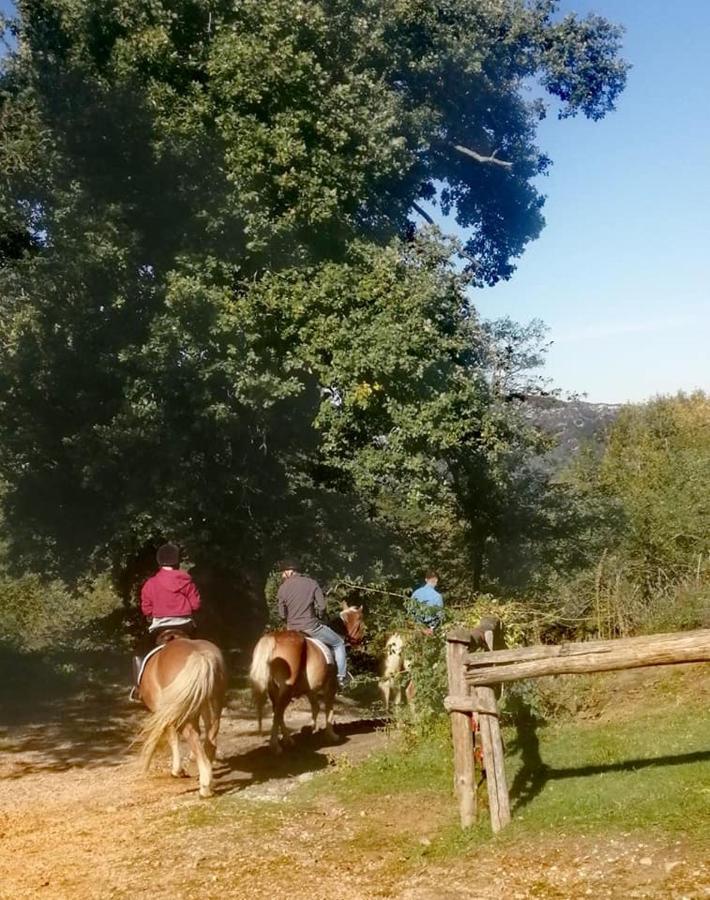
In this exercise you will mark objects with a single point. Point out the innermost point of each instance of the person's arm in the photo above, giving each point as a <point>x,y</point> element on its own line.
<point>193,596</point>
<point>319,601</point>
<point>282,604</point>
<point>147,600</point>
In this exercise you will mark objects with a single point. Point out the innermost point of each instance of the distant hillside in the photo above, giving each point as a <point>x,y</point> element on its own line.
<point>573,423</point>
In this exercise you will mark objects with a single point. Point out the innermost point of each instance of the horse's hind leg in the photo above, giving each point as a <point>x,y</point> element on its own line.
<point>276,719</point>
<point>315,709</point>
<point>211,719</point>
<point>204,765</point>
<point>329,703</point>
<point>386,689</point>
<point>177,769</point>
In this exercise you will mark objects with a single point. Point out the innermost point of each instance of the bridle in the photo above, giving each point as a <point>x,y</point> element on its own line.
<point>354,635</point>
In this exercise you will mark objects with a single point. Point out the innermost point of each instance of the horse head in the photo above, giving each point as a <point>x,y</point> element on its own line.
<point>353,619</point>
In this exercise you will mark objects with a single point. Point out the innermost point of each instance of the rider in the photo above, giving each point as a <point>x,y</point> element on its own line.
<point>429,606</point>
<point>169,599</point>
<point>301,602</point>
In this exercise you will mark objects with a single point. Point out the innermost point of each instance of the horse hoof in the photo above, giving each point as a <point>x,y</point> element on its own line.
<point>181,774</point>
<point>206,793</point>
<point>276,748</point>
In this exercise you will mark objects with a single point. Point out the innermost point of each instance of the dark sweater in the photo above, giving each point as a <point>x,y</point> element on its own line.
<point>300,599</point>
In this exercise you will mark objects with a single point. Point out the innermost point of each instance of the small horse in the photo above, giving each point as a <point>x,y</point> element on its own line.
<point>287,664</point>
<point>181,685</point>
<point>393,669</point>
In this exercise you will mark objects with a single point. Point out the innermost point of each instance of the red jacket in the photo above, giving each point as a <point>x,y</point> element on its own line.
<point>170,592</point>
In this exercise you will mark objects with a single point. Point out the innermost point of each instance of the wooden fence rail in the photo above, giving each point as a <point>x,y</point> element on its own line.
<point>475,679</point>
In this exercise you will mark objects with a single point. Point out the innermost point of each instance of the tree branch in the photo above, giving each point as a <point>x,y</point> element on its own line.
<point>462,252</point>
<point>423,213</point>
<point>483,159</point>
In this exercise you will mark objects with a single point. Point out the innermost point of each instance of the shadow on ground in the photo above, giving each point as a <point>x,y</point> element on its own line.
<point>308,753</point>
<point>535,774</point>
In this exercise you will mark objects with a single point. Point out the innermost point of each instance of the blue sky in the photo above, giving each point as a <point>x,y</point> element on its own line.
<point>621,272</point>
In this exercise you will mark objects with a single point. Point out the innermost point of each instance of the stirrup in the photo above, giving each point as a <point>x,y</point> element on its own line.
<point>134,696</point>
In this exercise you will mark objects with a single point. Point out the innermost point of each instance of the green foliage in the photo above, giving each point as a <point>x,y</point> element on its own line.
<point>39,614</point>
<point>647,493</point>
<point>219,325</point>
<point>657,464</point>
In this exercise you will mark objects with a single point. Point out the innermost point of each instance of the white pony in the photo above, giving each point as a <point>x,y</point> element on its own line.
<point>393,670</point>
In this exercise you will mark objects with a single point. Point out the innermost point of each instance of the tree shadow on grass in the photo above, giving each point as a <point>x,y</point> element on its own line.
<point>534,773</point>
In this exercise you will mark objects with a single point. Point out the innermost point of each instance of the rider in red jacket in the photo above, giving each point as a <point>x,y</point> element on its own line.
<point>170,593</point>
<point>169,599</point>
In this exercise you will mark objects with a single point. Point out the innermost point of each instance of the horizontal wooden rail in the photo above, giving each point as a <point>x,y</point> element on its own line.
<point>469,704</point>
<point>576,648</point>
<point>597,656</point>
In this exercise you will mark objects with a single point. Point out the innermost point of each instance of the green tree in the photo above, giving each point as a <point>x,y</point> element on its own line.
<point>657,465</point>
<point>217,321</point>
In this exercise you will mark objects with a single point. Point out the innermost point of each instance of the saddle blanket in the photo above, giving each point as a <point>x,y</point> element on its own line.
<point>324,649</point>
<point>147,657</point>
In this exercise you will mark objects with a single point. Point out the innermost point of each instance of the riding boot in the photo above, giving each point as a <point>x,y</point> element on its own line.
<point>136,662</point>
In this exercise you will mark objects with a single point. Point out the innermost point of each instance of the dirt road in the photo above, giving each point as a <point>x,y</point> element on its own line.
<point>77,821</point>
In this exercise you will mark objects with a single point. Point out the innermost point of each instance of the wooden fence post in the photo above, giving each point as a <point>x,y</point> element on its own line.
<point>457,643</point>
<point>489,724</point>
<point>493,759</point>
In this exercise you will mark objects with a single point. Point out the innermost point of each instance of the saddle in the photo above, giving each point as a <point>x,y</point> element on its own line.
<point>157,649</point>
<point>170,632</point>
<point>324,649</point>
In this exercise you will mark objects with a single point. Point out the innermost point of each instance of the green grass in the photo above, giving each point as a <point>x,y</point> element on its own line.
<point>651,771</point>
<point>648,768</point>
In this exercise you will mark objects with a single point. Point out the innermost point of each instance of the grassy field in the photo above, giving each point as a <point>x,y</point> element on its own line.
<point>615,801</point>
<point>638,758</point>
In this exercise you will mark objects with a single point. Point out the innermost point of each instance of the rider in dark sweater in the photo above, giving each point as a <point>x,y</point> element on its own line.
<point>301,603</point>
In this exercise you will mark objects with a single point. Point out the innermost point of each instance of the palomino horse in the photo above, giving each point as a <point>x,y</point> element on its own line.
<point>286,664</point>
<point>394,667</point>
<point>182,684</point>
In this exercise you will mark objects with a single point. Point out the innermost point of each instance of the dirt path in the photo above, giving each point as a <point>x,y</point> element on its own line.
<point>76,817</point>
<point>77,821</point>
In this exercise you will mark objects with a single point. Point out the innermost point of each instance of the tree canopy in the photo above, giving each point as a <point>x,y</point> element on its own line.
<point>220,322</point>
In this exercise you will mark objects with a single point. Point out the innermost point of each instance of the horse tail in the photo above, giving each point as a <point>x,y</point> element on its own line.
<point>260,672</point>
<point>181,700</point>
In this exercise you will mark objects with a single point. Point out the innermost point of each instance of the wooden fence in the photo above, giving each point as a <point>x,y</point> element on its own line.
<point>478,663</point>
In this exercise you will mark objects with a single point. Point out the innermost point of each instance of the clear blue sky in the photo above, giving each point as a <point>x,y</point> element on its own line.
<point>621,274</point>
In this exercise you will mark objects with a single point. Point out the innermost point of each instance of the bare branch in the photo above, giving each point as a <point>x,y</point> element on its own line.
<point>423,213</point>
<point>483,159</point>
<point>462,252</point>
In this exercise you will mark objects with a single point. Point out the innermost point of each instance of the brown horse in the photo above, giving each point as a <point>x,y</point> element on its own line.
<point>286,664</point>
<point>181,685</point>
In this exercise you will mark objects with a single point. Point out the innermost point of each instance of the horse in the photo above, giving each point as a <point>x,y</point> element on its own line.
<point>394,667</point>
<point>396,664</point>
<point>287,664</point>
<point>183,684</point>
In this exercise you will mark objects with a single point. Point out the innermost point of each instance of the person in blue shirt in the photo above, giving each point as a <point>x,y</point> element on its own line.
<point>429,604</point>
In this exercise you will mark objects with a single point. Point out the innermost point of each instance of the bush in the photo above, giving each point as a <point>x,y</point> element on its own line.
<point>39,614</point>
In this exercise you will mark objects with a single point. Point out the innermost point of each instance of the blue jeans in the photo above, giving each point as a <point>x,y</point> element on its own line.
<point>327,636</point>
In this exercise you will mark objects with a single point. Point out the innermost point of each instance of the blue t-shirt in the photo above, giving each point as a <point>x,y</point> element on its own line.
<point>429,595</point>
<point>430,603</point>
